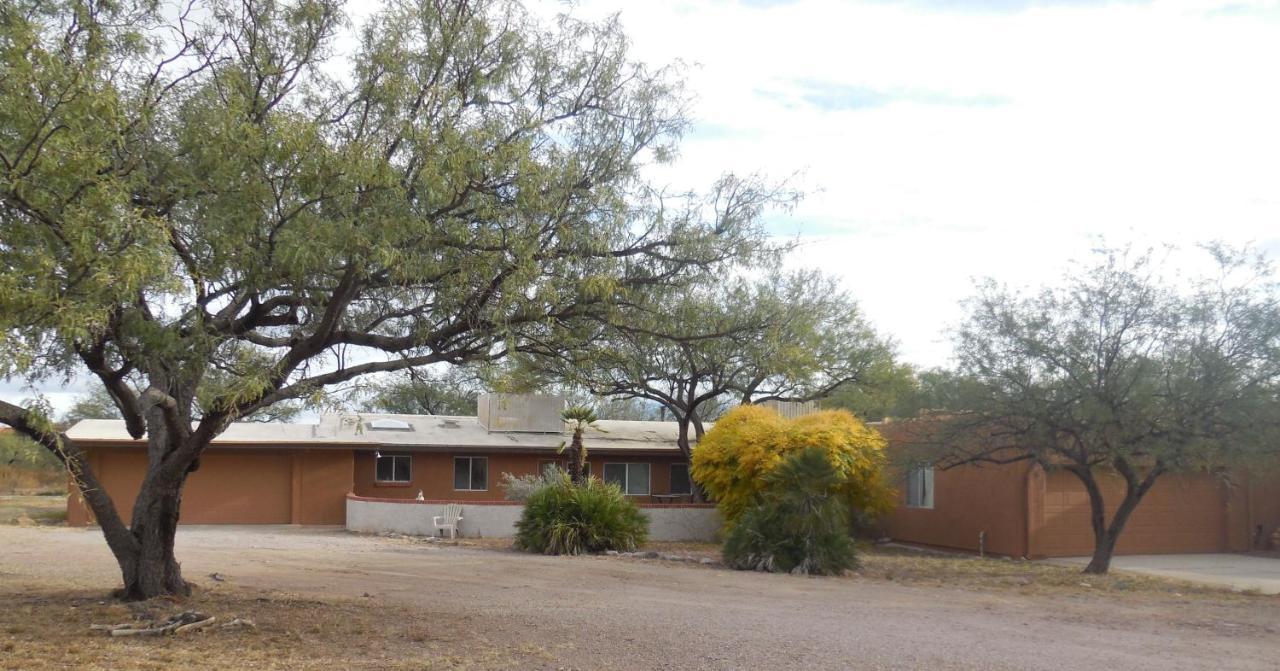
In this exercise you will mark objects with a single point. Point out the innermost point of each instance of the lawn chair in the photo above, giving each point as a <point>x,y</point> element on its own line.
<point>449,520</point>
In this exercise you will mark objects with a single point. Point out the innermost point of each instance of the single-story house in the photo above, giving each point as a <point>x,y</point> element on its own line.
<point>272,473</point>
<point>1025,510</point>
<point>259,473</point>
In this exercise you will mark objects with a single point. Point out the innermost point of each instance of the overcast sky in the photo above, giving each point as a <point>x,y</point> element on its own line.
<point>942,140</point>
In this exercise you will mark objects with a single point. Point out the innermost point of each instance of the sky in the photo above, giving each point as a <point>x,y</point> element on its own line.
<point>941,141</point>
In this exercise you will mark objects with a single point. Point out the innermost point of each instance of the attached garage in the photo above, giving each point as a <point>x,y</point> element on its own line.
<point>244,485</point>
<point>1181,513</point>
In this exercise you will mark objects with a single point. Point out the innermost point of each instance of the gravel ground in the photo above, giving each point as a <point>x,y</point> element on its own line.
<point>611,613</point>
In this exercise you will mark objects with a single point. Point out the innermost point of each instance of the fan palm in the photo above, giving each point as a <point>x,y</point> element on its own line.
<point>580,417</point>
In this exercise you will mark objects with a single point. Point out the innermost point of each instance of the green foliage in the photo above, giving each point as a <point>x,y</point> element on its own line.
<point>734,460</point>
<point>417,395</point>
<point>227,211</point>
<point>16,450</point>
<point>96,404</point>
<point>798,524</point>
<point>564,518</point>
<point>1124,365</point>
<point>697,348</point>
<point>895,390</point>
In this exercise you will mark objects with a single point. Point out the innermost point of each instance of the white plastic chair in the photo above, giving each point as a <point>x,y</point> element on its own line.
<point>449,520</point>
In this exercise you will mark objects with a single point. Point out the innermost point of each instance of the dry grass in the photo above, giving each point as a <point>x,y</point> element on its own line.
<point>46,627</point>
<point>968,572</point>
<point>913,567</point>
<point>28,481</point>
<point>33,509</point>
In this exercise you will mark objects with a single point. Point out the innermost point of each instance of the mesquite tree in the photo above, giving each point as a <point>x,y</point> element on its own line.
<point>789,337</point>
<point>1119,370</point>
<point>208,202</point>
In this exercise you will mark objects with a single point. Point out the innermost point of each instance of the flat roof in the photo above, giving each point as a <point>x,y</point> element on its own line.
<point>377,430</point>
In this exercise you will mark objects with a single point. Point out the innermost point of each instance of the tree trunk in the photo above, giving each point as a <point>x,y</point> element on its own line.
<point>682,440</point>
<point>1105,536</point>
<point>154,570</point>
<point>577,457</point>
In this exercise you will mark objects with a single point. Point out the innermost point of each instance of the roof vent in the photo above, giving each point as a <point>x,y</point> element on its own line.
<point>449,424</point>
<point>389,425</point>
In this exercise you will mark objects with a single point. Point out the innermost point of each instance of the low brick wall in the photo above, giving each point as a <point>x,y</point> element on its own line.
<point>497,519</point>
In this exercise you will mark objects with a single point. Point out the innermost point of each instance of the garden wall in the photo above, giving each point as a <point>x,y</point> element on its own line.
<point>497,519</point>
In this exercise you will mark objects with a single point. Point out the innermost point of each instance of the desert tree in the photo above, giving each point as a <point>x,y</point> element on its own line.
<point>424,392</point>
<point>210,211</point>
<point>1121,370</point>
<point>96,404</point>
<point>784,336</point>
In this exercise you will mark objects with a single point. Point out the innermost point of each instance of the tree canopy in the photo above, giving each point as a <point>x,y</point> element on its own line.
<point>1121,369</point>
<point>787,336</point>
<point>212,211</point>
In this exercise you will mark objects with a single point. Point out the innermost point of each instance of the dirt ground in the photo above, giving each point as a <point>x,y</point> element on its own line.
<point>410,604</point>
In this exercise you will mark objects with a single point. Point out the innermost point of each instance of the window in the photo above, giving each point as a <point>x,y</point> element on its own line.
<point>920,488</point>
<point>680,479</point>
<point>393,468</point>
<point>632,478</point>
<point>471,474</point>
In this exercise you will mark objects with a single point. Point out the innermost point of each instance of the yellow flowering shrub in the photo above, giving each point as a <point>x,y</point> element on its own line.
<point>750,441</point>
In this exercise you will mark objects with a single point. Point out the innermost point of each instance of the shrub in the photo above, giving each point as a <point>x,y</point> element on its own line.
<point>563,518</point>
<point>521,487</point>
<point>799,524</point>
<point>734,459</point>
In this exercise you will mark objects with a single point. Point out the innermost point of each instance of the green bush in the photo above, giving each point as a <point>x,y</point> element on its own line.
<point>563,518</point>
<point>799,524</point>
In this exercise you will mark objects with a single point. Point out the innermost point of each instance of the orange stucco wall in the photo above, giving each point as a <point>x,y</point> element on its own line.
<point>1181,513</point>
<point>1026,511</point>
<point>968,500</point>
<point>432,473</point>
<point>1254,515</point>
<point>235,485</point>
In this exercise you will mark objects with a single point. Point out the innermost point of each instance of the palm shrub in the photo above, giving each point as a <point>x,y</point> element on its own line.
<point>798,524</point>
<point>563,518</point>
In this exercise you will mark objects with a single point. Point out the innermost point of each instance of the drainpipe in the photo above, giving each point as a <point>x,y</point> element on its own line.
<point>982,544</point>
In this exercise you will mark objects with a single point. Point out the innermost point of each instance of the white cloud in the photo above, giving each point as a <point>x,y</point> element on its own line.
<point>943,144</point>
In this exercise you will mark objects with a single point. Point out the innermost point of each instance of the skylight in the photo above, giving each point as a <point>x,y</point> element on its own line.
<point>389,425</point>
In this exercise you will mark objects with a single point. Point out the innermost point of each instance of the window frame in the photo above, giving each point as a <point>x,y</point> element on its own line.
<point>393,457</point>
<point>470,472</point>
<point>919,490</point>
<point>672,479</point>
<point>648,485</point>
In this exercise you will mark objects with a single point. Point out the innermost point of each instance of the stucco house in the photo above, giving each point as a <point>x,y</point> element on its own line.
<point>261,473</point>
<point>1025,510</point>
<point>357,464</point>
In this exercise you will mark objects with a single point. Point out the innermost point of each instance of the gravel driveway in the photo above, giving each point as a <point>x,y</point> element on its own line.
<point>611,613</point>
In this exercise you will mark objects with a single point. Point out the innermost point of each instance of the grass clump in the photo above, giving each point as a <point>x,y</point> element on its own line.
<point>563,518</point>
<point>798,524</point>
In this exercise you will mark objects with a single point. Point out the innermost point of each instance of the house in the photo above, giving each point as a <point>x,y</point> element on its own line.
<point>1025,510</point>
<point>262,473</point>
